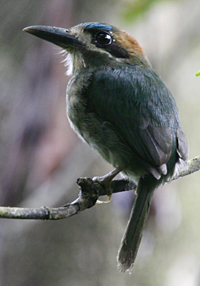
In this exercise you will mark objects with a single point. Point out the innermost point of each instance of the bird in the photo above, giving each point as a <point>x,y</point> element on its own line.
<point>119,105</point>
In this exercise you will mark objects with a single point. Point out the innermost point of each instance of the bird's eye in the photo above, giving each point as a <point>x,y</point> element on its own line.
<point>103,38</point>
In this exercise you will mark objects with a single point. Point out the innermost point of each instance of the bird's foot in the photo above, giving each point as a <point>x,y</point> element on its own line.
<point>105,181</point>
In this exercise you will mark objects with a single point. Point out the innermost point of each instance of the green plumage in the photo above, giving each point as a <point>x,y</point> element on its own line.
<point>133,104</point>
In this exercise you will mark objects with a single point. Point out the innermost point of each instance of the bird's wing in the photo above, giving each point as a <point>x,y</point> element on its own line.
<point>125,101</point>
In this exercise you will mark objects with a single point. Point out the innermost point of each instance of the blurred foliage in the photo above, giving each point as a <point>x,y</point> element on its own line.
<point>137,8</point>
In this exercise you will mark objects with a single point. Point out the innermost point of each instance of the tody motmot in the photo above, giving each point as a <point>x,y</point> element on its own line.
<point>118,104</point>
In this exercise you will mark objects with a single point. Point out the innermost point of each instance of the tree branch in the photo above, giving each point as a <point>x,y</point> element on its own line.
<point>89,192</point>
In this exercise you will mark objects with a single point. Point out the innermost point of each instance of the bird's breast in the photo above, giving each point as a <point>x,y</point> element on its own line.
<point>76,104</point>
<point>97,132</point>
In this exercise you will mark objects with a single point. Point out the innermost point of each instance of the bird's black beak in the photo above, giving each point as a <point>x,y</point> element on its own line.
<point>58,36</point>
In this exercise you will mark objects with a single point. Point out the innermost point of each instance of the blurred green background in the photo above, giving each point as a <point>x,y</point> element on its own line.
<point>41,157</point>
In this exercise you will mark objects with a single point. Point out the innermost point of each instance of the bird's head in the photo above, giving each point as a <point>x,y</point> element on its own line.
<point>93,45</point>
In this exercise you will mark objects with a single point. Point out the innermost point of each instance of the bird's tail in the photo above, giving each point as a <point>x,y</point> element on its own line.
<point>133,234</point>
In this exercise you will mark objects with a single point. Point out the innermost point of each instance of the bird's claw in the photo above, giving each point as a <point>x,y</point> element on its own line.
<point>105,181</point>
<point>104,202</point>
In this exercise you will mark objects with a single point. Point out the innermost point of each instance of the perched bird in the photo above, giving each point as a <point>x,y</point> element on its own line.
<point>119,105</point>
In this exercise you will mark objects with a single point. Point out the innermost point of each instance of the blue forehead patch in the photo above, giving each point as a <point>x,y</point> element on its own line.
<point>95,26</point>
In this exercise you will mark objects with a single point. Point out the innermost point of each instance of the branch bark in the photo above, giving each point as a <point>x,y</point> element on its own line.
<point>89,192</point>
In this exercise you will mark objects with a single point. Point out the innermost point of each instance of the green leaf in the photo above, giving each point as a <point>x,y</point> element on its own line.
<point>198,73</point>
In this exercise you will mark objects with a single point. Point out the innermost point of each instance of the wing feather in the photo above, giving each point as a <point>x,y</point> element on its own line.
<point>133,103</point>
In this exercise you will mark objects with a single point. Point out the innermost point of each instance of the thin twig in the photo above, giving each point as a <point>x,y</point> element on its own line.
<point>89,192</point>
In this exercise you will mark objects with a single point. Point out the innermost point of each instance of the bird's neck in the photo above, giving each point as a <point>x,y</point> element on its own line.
<point>76,61</point>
